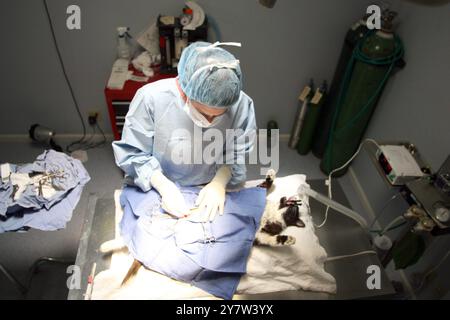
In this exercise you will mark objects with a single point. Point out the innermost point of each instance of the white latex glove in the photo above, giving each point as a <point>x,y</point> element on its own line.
<point>172,201</point>
<point>211,199</point>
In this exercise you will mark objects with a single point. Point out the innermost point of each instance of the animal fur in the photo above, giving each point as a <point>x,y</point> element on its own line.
<point>277,217</point>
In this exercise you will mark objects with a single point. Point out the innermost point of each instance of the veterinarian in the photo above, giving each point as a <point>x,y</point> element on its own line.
<point>162,120</point>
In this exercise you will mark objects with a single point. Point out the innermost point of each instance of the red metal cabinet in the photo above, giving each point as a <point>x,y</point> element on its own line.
<point>118,101</point>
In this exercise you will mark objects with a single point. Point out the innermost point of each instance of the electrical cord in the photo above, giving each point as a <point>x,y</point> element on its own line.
<point>82,143</point>
<point>58,52</point>
<point>350,255</point>
<point>103,134</point>
<point>215,27</point>
<point>378,216</point>
<point>100,144</point>
<point>391,224</point>
<point>330,194</point>
<point>389,229</point>
<point>89,144</point>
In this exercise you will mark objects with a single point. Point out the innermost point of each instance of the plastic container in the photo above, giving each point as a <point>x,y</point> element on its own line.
<point>123,47</point>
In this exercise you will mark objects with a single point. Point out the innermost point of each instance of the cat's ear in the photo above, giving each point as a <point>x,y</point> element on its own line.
<point>270,175</point>
<point>283,203</point>
<point>266,184</point>
<point>299,223</point>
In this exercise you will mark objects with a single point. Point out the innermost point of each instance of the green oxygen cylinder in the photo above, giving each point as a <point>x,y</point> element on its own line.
<point>366,75</point>
<point>354,34</point>
<point>312,116</point>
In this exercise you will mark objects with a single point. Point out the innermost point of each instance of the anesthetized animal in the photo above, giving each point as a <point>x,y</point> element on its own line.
<point>276,218</point>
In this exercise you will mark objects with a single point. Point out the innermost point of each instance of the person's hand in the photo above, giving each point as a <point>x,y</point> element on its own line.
<point>211,199</point>
<point>172,201</point>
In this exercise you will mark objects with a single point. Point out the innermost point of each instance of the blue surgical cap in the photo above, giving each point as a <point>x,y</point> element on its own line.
<point>210,75</point>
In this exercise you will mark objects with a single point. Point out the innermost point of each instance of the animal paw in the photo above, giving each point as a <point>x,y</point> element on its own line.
<point>284,240</point>
<point>112,246</point>
<point>290,241</point>
<point>270,175</point>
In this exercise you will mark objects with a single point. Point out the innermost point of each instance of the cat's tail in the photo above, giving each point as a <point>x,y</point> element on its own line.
<point>132,271</point>
<point>118,245</point>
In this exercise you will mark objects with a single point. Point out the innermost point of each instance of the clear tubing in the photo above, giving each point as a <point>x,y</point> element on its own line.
<point>335,205</point>
<point>392,223</point>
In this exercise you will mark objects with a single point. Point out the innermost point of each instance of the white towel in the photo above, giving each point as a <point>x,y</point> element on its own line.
<point>301,266</point>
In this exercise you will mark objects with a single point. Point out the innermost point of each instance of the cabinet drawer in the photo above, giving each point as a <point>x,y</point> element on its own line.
<point>119,126</point>
<point>121,108</point>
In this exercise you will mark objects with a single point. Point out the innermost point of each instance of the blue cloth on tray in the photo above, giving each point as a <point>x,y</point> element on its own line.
<point>32,210</point>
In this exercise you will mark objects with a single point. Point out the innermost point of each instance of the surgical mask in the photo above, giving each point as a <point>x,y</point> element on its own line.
<point>198,118</point>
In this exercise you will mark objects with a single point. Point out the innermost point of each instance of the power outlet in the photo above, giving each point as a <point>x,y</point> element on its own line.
<point>93,118</point>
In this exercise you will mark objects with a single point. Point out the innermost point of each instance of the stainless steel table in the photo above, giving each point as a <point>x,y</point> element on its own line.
<point>339,236</point>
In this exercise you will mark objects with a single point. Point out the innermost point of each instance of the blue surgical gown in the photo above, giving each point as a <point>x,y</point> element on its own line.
<point>156,128</point>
